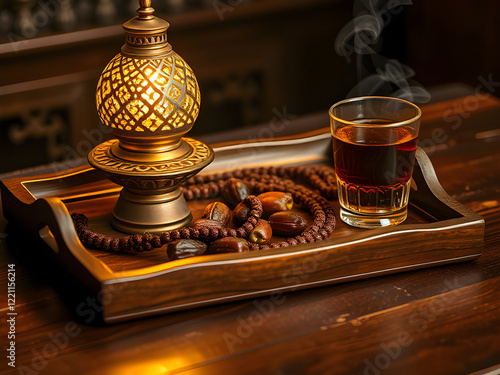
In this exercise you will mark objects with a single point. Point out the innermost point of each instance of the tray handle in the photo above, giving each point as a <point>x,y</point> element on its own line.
<point>428,194</point>
<point>58,232</point>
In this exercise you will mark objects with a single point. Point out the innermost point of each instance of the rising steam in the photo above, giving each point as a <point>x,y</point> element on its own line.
<point>360,38</point>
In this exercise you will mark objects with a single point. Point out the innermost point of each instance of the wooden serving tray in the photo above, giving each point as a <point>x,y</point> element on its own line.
<point>438,230</point>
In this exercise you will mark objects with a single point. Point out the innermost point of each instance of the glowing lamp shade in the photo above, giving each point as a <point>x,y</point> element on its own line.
<point>148,95</point>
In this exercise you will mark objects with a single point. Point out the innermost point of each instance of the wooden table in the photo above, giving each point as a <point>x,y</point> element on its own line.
<point>442,320</point>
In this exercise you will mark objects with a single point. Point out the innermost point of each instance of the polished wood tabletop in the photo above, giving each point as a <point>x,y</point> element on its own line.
<point>440,320</point>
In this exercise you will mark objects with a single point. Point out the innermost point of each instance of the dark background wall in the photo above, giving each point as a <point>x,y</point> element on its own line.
<point>253,59</point>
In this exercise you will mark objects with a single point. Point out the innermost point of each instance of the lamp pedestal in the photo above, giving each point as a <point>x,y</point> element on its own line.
<point>139,213</point>
<point>151,199</point>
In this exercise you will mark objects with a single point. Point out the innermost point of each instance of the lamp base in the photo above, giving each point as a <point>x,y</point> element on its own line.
<point>137,213</point>
<point>151,199</point>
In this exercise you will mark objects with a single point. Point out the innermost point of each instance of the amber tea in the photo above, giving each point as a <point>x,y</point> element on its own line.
<point>374,168</point>
<point>374,162</point>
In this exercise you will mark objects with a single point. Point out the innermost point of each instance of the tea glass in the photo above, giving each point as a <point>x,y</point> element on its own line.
<point>374,142</point>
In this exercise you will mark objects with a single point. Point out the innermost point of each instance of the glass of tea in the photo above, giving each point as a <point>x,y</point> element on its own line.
<point>374,142</point>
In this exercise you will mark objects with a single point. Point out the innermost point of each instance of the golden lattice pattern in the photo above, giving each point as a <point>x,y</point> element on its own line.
<point>148,95</point>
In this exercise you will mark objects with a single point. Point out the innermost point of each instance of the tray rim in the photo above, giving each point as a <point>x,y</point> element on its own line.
<point>59,233</point>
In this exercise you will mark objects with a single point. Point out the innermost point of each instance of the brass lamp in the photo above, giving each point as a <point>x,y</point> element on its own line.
<point>150,98</point>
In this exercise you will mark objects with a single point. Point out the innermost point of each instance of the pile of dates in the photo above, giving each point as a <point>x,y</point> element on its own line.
<point>276,219</point>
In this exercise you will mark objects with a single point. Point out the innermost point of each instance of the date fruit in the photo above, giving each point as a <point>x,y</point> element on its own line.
<point>198,224</point>
<point>262,232</point>
<point>275,201</point>
<point>234,191</point>
<point>287,224</point>
<point>241,213</point>
<point>217,211</point>
<point>185,248</point>
<point>228,245</point>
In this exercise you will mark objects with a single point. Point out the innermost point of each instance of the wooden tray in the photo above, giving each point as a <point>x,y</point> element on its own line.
<point>438,230</point>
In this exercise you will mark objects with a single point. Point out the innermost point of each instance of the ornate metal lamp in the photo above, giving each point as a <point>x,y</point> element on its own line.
<point>150,98</point>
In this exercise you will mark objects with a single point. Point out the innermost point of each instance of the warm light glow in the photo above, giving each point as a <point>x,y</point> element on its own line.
<point>153,366</point>
<point>142,368</point>
<point>148,94</point>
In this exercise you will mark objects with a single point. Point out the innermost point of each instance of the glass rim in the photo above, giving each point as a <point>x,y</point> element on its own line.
<point>386,98</point>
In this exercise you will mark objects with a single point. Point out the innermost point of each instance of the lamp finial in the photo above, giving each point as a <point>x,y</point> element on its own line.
<point>145,11</point>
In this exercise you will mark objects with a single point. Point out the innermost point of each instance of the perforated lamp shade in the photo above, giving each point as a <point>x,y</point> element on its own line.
<point>148,95</point>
